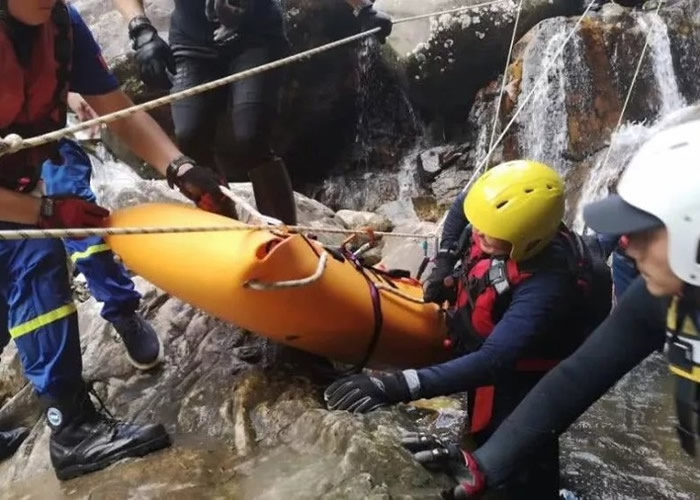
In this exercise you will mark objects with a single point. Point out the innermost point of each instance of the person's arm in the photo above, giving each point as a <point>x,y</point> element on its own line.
<point>19,208</point>
<point>91,78</point>
<point>129,9</point>
<point>635,329</point>
<point>455,224</point>
<point>537,304</point>
<point>359,4</point>
<point>139,131</point>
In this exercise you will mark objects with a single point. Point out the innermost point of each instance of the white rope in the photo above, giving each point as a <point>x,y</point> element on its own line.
<point>14,143</point>
<point>613,135</point>
<point>505,74</point>
<point>38,234</point>
<point>521,105</point>
<point>263,286</point>
<point>449,11</point>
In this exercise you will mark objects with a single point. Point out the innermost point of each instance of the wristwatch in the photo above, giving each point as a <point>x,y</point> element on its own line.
<point>46,209</point>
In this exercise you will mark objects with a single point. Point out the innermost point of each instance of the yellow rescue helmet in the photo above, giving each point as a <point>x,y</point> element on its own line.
<point>521,202</point>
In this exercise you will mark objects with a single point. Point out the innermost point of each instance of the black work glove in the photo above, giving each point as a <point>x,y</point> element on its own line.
<point>154,58</point>
<point>435,289</point>
<point>371,18</point>
<point>200,185</point>
<point>364,393</point>
<point>230,15</point>
<point>437,456</point>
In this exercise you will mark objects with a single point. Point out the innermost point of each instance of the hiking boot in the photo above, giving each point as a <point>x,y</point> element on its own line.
<point>143,346</point>
<point>11,440</point>
<point>85,439</point>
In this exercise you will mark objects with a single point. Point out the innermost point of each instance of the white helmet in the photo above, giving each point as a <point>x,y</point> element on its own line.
<point>660,187</point>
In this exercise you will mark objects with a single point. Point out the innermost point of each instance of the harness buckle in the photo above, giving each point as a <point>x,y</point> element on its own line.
<point>498,276</point>
<point>680,354</point>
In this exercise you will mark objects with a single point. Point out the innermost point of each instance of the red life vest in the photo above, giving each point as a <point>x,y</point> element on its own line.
<point>33,95</point>
<point>484,292</point>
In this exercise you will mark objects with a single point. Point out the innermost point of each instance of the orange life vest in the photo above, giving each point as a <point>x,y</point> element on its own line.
<point>33,93</point>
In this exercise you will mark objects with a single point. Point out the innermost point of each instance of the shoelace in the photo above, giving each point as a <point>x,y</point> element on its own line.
<point>102,411</point>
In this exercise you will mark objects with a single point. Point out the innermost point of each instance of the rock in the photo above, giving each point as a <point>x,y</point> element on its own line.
<point>468,49</point>
<point>431,162</point>
<point>405,253</point>
<point>233,423</point>
<point>571,114</point>
<point>360,220</point>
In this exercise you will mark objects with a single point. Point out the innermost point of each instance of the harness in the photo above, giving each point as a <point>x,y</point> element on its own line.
<point>485,287</point>
<point>21,171</point>
<point>683,341</point>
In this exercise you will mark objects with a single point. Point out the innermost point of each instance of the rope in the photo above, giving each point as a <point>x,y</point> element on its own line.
<point>14,143</point>
<point>449,11</point>
<point>613,135</point>
<point>37,234</point>
<point>505,74</point>
<point>298,283</point>
<point>522,104</point>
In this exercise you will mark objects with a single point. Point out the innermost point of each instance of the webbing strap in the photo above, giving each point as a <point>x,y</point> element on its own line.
<point>377,310</point>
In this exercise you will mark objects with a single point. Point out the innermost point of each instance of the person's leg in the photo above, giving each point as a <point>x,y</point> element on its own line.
<point>44,325</point>
<point>10,440</point>
<point>107,280</point>
<point>254,103</point>
<point>195,117</point>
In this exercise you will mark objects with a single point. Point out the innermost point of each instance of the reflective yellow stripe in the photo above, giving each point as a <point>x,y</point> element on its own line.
<point>693,375</point>
<point>43,320</point>
<point>102,247</point>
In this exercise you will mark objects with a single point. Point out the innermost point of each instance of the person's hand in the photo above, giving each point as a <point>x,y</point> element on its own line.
<point>439,286</point>
<point>83,111</point>
<point>154,58</point>
<point>438,456</point>
<point>371,18</point>
<point>200,185</point>
<point>364,393</point>
<point>69,212</point>
<point>230,15</point>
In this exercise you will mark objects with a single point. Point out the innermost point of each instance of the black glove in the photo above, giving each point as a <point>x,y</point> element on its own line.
<point>365,393</point>
<point>371,18</point>
<point>154,58</point>
<point>434,288</point>
<point>436,456</point>
<point>230,14</point>
<point>200,185</point>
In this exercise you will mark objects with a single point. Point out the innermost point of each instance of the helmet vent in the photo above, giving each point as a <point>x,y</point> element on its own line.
<point>528,190</point>
<point>550,187</point>
<point>679,145</point>
<point>501,205</point>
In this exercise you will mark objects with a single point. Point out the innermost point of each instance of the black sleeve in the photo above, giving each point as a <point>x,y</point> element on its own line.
<point>455,223</point>
<point>635,329</point>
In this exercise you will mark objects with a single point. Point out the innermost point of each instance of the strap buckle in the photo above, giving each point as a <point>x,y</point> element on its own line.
<point>498,276</point>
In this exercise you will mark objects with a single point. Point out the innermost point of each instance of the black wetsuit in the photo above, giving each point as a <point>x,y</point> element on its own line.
<point>252,101</point>
<point>635,329</point>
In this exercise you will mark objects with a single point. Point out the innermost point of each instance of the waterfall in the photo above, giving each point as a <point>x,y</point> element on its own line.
<point>543,122</point>
<point>662,63</point>
<point>630,137</point>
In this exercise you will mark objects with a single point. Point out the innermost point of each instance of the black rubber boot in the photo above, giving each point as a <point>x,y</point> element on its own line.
<point>273,191</point>
<point>11,440</point>
<point>85,439</point>
<point>143,346</point>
